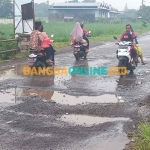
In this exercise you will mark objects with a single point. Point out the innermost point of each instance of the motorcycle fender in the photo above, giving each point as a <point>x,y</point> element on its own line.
<point>121,58</point>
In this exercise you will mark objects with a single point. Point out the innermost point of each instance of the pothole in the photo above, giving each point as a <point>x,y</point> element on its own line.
<point>64,99</point>
<point>88,121</point>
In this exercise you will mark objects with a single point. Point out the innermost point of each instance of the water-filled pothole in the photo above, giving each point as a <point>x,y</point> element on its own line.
<point>10,96</point>
<point>61,98</point>
<point>89,121</point>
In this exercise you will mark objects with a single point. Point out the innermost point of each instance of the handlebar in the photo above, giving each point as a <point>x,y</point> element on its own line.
<point>119,42</point>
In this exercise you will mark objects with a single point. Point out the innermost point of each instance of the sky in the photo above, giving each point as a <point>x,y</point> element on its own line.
<point>119,4</point>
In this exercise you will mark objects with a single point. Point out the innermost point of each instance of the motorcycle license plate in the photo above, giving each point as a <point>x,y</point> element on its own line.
<point>76,49</point>
<point>32,59</point>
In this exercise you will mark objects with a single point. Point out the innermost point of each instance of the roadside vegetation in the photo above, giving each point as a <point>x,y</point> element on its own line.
<point>142,137</point>
<point>61,32</point>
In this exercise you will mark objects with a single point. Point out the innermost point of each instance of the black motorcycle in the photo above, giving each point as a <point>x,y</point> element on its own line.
<point>38,58</point>
<point>79,50</point>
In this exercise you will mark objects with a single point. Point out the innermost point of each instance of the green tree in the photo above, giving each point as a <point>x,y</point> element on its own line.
<point>6,8</point>
<point>41,10</point>
<point>144,12</point>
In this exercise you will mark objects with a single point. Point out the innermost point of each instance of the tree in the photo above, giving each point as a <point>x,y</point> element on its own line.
<point>41,10</point>
<point>144,12</point>
<point>130,13</point>
<point>6,8</point>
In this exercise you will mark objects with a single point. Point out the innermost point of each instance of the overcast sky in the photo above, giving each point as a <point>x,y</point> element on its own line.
<point>119,4</point>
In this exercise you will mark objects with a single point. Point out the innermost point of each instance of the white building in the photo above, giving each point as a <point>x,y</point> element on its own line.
<point>76,11</point>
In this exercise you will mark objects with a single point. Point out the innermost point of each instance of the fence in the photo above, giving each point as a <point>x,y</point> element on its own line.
<point>6,21</point>
<point>11,50</point>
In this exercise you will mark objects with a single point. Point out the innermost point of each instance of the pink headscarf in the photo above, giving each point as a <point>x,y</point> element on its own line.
<point>77,32</point>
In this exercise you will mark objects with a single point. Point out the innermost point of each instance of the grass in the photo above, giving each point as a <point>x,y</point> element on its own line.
<point>61,31</point>
<point>142,137</point>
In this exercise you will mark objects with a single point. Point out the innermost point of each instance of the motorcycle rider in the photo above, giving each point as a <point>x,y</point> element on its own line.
<point>84,30</point>
<point>86,34</point>
<point>77,36</point>
<point>36,39</point>
<point>130,36</point>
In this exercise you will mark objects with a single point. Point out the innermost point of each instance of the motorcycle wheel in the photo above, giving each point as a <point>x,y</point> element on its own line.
<point>85,55</point>
<point>77,56</point>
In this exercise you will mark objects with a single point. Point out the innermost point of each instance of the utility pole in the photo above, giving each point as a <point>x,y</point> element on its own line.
<point>142,2</point>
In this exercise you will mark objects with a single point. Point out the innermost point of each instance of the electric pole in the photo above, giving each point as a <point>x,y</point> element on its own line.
<point>142,2</point>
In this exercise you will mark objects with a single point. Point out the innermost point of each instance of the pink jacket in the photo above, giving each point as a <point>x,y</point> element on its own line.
<point>46,41</point>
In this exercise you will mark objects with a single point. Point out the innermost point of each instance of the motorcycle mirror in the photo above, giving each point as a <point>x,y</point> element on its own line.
<point>115,37</point>
<point>52,35</point>
<point>89,31</point>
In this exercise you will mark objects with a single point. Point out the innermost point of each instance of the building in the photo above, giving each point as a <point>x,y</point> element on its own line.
<point>81,11</point>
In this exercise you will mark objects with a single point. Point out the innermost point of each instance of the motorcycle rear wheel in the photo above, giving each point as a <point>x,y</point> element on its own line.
<point>77,56</point>
<point>85,55</point>
<point>121,64</point>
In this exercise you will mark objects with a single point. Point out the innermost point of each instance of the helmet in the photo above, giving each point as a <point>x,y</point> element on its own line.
<point>82,25</point>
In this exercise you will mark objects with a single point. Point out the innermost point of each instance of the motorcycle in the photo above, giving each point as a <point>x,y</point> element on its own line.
<point>124,56</point>
<point>38,59</point>
<point>79,50</point>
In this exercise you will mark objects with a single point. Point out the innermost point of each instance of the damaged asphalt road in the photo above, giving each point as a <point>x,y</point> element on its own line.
<point>73,112</point>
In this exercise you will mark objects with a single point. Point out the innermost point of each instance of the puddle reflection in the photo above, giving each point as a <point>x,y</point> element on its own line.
<point>128,81</point>
<point>40,81</point>
<point>16,72</point>
<point>89,121</point>
<point>10,95</point>
<point>64,99</point>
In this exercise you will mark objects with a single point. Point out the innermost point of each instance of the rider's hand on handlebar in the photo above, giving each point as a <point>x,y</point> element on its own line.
<point>52,40</point>
<point>117,43</point>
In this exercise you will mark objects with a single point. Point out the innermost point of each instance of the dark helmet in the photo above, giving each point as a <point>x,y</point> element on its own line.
<point>82,25</point>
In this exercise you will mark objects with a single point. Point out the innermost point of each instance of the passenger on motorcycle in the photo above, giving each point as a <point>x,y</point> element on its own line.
<point>49,47</point>
<point>85,35</point>
<point>36,39</point>
<point>129,36</point>
<point>77,36</point>
<point>138,49</point>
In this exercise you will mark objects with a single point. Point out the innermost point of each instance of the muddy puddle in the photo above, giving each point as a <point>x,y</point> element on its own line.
<point>83,100</point>
<point>9,74</point>
<point>61,98</point>
<point>10,96</point>
<point>89,121</point>
<point>16,72</point>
